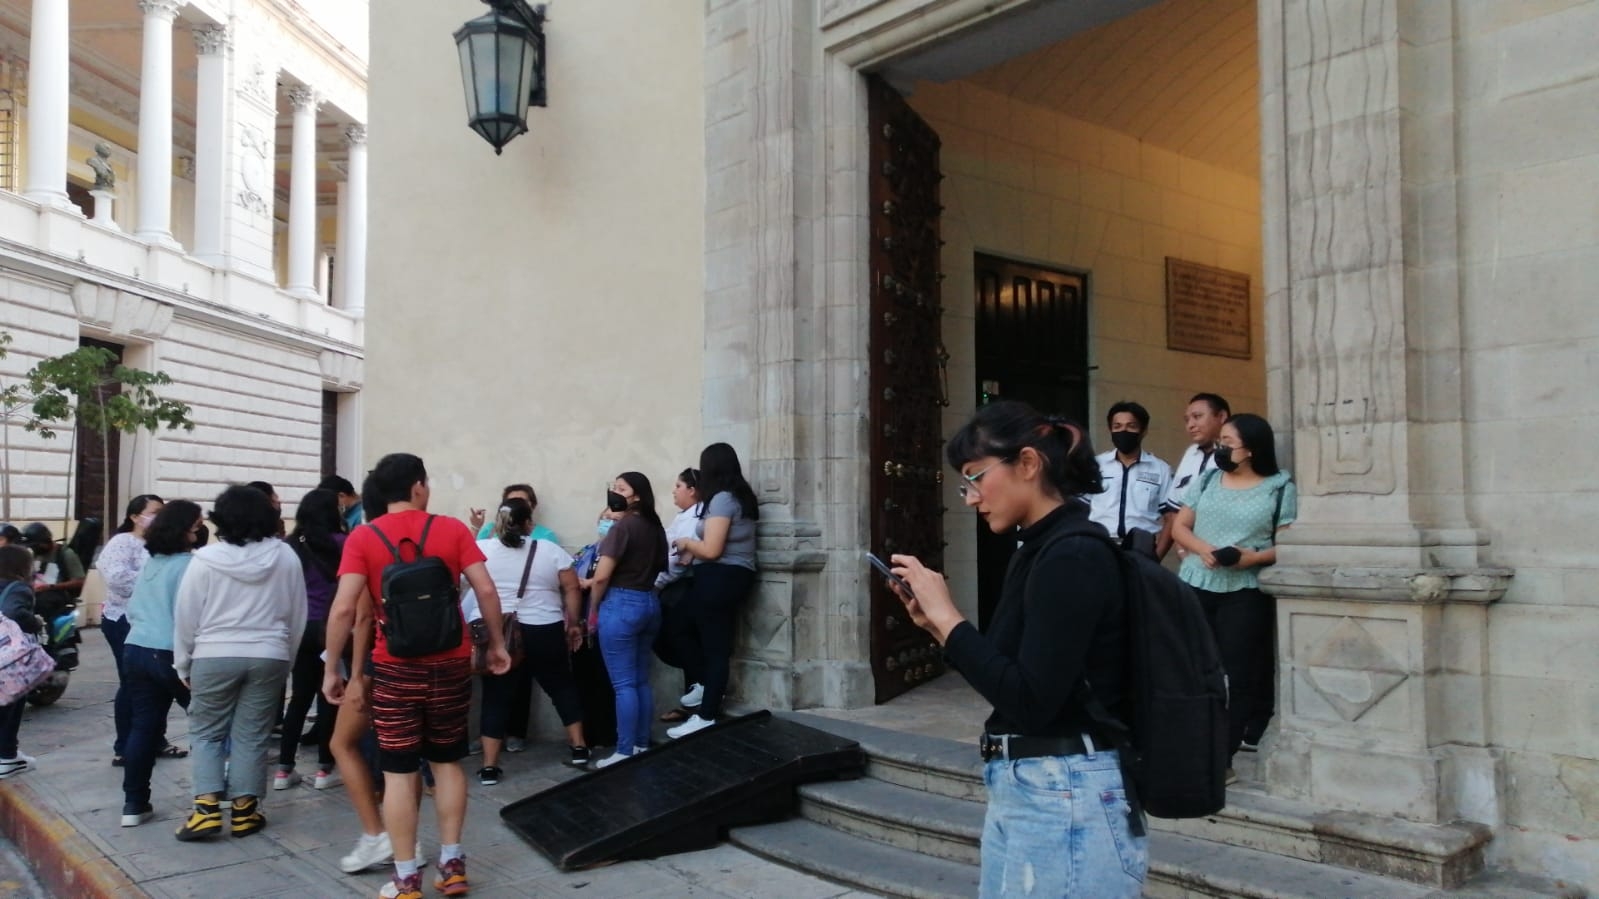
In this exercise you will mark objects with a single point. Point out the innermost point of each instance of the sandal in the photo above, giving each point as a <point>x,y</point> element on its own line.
<point>677,714</point>
<point>172,752</point>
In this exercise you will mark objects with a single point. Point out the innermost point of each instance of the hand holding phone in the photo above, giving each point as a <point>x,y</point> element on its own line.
<point>887,572</point>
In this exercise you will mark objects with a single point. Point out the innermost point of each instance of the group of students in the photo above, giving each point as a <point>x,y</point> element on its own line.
<point>1053,660</point>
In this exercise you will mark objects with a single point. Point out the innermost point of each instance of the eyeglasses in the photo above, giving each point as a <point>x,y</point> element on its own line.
<point>970,487</point>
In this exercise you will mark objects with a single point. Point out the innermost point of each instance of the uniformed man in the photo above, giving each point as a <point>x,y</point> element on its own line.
<point>1203,418</point>
<point>1136,484</point>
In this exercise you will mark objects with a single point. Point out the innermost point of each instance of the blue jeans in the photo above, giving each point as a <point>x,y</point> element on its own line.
<point>116,633</point>
<point>151,686</point>
<point>629,621</point>
<point>1057,826</point>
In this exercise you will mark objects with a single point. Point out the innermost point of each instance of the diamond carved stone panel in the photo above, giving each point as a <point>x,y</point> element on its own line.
<point>1351,670</point>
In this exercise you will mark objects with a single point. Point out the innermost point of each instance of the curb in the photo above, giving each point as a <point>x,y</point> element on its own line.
<point>65,862</point>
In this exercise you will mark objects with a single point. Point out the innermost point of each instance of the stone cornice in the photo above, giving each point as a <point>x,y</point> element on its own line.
<point>1414,586</point>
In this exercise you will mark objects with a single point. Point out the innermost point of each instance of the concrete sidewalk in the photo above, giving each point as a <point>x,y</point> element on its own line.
<point>65,817</point>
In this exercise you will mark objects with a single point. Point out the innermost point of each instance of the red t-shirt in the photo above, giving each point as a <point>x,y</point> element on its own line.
<point>364,553</point>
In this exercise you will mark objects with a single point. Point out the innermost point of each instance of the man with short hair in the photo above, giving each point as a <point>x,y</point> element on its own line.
<point>1203,418</point>
<point>1136,483</point>
<point>277,504</point>
<point>56,566</point>
<point>420,703</point>
<point>349,500</point>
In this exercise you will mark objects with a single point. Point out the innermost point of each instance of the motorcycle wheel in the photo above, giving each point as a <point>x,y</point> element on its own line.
<point>47,694</point>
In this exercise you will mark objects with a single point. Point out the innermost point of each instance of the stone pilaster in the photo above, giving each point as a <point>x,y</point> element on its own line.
<point>1382,583</point>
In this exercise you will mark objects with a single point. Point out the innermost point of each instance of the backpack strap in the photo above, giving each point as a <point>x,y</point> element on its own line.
<point>393,550</point>
<point>527,567</point>
<point>1277,513</point>
<point>422,544</point>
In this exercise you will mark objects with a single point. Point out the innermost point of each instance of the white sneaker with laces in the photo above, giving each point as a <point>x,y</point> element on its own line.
<point>370,850</point>
<point>694,696</point>
<point>326,779</point>
<point>694,724</point>
<point>282,780</point>
<point>11,767</point>
<point>612,759</point>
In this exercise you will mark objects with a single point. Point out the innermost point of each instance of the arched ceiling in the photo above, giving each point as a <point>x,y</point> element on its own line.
<point>1181,74</point>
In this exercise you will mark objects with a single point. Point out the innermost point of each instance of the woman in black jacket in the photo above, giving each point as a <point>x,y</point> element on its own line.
<point>1058,821</point>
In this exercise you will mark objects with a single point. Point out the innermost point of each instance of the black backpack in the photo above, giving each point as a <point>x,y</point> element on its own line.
<point>1174,744</point>
<point>421,601</point>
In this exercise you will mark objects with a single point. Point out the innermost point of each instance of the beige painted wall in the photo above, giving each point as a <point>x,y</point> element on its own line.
<point>538,316</point>
<point>1529,250</point>
<point>1035,185</point>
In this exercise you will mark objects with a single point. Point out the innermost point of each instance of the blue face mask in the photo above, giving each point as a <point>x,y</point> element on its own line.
<point>604,527</point>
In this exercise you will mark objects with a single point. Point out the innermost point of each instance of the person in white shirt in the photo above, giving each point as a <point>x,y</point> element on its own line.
<point>1136,483</point>
<point>677,644</point>
<point>1203,418</point>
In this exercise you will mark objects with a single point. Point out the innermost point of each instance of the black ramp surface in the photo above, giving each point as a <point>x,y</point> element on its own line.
<point>683,795</point>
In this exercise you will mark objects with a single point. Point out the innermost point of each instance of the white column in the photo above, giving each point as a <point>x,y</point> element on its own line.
<point>352,260</point>
<point>155,123</point>
<point>341,244</point>
<point>48,61</point>
<point>210,142</point>
<point>302,195</point>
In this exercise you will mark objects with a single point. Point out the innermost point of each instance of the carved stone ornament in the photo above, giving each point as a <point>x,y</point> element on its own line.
<point>211,39</point>
<point>1352,671</point>
<point>301,97</point>
<point>254,172</point>
<point>256,84</point>
<point>166,9</point>
<point>354,134</point>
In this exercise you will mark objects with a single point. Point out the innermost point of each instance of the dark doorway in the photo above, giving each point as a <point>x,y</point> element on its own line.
<point>81,198</point>
<point>906,379</point>
<point>99,456</point>
<point>330,433</point>
<point>1032,345</point>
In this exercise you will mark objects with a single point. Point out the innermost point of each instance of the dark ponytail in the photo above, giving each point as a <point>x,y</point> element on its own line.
<point>512,521</point>
<point>1002,430</point>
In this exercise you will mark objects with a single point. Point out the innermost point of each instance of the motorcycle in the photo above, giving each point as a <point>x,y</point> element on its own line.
<point>57,614</point>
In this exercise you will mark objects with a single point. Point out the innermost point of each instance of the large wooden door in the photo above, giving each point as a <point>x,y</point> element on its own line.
<point>1032,345</point>
<point>907,380</point>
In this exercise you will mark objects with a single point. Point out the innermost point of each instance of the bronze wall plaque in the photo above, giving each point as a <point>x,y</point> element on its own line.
<point>1207,310</point>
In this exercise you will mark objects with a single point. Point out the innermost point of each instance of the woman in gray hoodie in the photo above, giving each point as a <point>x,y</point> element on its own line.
<point>238,620</point>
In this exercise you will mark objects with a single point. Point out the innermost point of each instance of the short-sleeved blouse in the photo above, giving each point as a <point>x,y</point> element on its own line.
<point>1242,518</point>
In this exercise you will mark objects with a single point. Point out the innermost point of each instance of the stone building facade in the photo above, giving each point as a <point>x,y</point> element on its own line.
<point>680,251</point>
<point>226,247</point>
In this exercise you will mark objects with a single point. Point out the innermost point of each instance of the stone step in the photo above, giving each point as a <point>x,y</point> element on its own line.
<point>899,816</point>
<point>855,862</point>
<point>1183,867</point>
<point>929,764</point>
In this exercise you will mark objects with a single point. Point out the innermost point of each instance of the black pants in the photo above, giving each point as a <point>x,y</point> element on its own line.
<point>675,644</point>
<point>305,685</point>
<point>545,659</point>
<point>1241,622</point>
<point>719,591</point>
<point>10,726</point>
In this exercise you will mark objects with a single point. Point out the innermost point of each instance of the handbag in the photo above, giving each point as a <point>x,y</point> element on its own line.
<point>511,627</point>
<point>24,664</point>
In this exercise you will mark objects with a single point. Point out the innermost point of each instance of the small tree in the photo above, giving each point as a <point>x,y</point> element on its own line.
<point>87,388</point>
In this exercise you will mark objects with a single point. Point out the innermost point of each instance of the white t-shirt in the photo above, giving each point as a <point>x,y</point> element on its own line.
<point>541,604</point>
<point>684,526</point>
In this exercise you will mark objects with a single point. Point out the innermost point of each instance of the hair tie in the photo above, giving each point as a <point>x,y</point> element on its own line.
<point>505,508</point>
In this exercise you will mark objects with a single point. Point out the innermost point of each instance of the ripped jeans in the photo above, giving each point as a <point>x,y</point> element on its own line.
<point>1057,827</point>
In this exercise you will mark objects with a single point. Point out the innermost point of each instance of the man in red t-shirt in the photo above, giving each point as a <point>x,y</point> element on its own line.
<point>419,705</point>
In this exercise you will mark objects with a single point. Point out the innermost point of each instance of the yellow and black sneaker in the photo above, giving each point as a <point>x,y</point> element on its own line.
<point>247,817</point>
<point>204,822</point>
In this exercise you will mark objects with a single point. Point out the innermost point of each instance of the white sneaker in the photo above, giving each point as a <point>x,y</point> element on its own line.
<point>26,758</point>
<point>282,780</point>
<point>694,724</point>
<point>370,851</point>
<point>326,779</point>
<point>613,759</point>
<point>693,697</point>
<point>13,767</point>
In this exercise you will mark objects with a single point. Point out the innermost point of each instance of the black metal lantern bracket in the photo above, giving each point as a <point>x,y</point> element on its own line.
<point>533,16</point>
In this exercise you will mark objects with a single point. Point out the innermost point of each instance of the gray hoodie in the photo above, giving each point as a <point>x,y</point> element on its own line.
<point>239,602</point>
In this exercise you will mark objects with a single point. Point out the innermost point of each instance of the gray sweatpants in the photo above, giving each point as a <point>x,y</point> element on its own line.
<point>234,701</point>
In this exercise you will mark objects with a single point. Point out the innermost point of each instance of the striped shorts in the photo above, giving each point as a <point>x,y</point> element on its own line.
<point>420,710</point>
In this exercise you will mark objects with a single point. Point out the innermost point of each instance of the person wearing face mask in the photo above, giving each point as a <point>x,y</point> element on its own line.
<point>120,562</point>
<point>1136,483</point>
<point>1229,524</point>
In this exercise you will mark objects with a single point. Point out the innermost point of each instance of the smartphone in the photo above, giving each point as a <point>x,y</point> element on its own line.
<point>885,571</point>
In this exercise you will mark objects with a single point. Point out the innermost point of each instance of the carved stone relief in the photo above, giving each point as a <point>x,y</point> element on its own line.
<point>256,84</point>
<point>211,39</point>
<point>1351,670</point>
<point>255,170</point>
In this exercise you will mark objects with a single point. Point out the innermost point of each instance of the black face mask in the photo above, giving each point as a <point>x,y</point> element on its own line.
<point>1223,457</point>
<point>614,501</point>
<point>1126,441</point>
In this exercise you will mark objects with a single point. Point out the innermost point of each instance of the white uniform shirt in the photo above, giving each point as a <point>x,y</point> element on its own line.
<point>1143,487</point>
<point>1194,463</point>
<point>682,527</point>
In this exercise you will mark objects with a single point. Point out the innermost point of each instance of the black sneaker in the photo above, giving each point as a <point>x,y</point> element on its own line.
<point>136,813</point>
<point>580,757</point>
<point>489,775</point>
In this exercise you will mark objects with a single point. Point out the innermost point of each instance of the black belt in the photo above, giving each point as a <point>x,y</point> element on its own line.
<point>1015,746</point>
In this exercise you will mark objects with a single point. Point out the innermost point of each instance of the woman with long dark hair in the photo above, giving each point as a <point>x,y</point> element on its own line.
<point>149,679</point>
<point>632,554</point>
<point>1058,821</point>
<point>119,565</point>
<point>86,539</point>
<point>1229,524</point>
<point>318,541</point>
<point>723,556</point>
